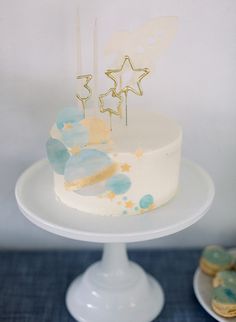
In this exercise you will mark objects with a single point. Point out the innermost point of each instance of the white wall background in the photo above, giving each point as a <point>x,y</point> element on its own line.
<point>195,84</point>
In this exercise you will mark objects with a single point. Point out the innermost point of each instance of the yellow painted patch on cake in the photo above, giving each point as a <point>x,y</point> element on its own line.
<point>74,150</point>
<point>86,181</point>
<point>67,126</point>
<point>98,131</point>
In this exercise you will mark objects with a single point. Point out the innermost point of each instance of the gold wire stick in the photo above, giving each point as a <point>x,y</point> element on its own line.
<point>126,108</point>
<point>138,90</point>
<point>83,99</point>
<point>120,87</point>
<point>111,92</point>
<point>110,121</point>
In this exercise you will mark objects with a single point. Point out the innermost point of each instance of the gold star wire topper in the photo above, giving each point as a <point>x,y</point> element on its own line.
<point>83,99</point>
<point>140,73</point>
<point>111,92</point>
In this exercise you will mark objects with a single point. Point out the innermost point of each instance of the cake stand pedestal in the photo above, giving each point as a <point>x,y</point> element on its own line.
<point>114,289</point>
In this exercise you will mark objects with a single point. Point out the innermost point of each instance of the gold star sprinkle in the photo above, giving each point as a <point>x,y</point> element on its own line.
<point>111,195</point>
<point>129,204</point>
<point>139,153</point>
<point>152,206</point>
<point>125,167</point>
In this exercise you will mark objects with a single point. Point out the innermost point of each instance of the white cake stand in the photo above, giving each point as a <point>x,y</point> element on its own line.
<point>114,289</point>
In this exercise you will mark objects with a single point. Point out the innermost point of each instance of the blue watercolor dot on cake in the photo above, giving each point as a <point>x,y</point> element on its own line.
<point>75,136</point>
<point>70,115</point>
<point>88,162</point>
<point>118,184</point>
<point>57,155</point>
<point>146,201</point>
<point>125,198</point>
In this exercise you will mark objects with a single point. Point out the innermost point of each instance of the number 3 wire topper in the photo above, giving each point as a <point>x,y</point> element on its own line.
<point>83,99</point>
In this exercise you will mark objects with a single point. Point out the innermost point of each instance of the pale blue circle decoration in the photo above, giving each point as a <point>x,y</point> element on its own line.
<point>146,201</point>
<point>87,163</point>
<point>57,155</point>
<point>70,115</point>
<point>76,136</point>
<point>119,184</point>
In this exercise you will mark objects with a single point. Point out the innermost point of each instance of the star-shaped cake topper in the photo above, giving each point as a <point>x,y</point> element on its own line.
<point>83,99</point>
<point>112,93</point>
<point>137,74</point>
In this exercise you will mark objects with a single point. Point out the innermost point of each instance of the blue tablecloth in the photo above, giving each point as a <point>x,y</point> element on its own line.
<point>33,284</point>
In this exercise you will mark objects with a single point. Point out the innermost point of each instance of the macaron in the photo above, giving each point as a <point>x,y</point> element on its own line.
<point>225,278</point>
<point>215,259</point>
<point>224,301</point>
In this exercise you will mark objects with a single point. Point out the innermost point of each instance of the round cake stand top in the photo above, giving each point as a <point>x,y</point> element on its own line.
<point>37,201</point>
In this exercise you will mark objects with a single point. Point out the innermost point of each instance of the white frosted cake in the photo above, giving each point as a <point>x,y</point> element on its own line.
<point>129,170</point>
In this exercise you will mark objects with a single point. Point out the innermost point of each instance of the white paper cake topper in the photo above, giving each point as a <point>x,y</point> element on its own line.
<point>146,43</point>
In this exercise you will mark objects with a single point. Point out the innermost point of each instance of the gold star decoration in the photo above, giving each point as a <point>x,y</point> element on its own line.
<point>83,99</point>
<point>139,153</point>
<point>111,92</point>
<point>111,195</point>
<point>138,73</point>
<point>152,206</point>
<point>129,204</point>
<point>125,167</point>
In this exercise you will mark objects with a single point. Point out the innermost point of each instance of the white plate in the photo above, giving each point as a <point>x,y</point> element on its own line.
<point>202,285</point>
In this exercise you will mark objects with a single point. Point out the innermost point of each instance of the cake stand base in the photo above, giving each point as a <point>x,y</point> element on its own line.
<point>114,289</point>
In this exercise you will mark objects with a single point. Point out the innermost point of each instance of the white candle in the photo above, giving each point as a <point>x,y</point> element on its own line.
<point>95,58</point>
<point>78,43</point>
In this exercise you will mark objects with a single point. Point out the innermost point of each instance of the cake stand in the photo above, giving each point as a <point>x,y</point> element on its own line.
<point>114,289</point>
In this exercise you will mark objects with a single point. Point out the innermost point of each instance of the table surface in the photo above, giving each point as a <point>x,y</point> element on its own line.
<point>33,284</point>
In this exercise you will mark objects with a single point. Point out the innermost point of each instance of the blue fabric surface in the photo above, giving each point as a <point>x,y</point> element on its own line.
<point>33,284</point>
